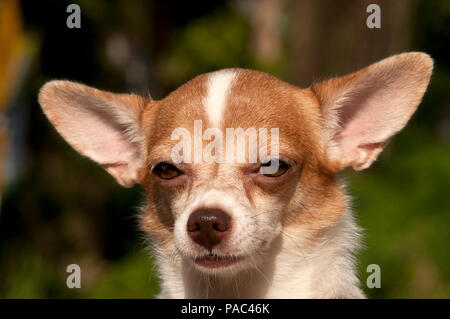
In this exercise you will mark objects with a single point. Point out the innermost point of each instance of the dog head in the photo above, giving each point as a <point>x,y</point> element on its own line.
<point>219,206</point>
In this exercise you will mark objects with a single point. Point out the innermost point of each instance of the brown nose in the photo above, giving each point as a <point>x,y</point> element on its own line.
<point>207,227</point>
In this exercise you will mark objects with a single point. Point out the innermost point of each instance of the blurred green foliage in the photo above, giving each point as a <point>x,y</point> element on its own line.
<point>403,206</point>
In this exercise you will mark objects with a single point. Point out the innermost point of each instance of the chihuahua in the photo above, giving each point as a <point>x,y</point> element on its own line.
<point>245,226</point>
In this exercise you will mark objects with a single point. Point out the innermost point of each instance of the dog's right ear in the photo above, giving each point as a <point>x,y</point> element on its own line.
<point>100,125</point>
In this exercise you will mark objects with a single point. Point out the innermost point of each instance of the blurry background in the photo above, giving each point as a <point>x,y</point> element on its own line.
<point>58,208</point>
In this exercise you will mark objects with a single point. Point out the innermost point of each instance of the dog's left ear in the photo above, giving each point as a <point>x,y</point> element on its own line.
<point>362,110</point>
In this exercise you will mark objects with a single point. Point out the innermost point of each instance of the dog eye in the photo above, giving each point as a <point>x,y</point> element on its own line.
<point>166,171</point>
<point>282,168</point>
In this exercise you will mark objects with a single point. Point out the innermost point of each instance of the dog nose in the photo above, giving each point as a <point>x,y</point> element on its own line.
<point>207,227</point>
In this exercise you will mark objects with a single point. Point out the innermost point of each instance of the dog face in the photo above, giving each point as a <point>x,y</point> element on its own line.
<point>220,207</point>
<point>251,207</point>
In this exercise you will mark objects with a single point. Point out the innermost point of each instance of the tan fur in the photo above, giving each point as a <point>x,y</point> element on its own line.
<point>296,231</point>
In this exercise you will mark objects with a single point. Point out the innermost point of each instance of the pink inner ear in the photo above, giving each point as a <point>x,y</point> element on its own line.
<point>373,115</point>
<point>102,140</point>
<point>370,106</point>
<point>100,125</point>
<point>368,120</point>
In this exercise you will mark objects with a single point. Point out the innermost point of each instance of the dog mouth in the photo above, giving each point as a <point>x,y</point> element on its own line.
<point>217,261</point>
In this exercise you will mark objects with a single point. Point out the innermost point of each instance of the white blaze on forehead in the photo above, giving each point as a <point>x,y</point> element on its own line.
<point>218,87</point>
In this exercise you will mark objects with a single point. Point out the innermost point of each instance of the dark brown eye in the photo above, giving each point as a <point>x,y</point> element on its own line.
<point>166,171</point>
<point>270,168</point>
